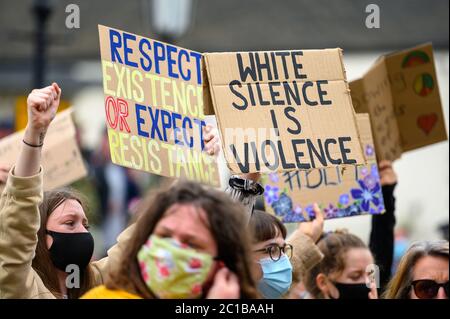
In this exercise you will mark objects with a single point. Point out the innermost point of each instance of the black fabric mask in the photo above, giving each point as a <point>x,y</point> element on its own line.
<point>352,291</point>
<point>71,249</point>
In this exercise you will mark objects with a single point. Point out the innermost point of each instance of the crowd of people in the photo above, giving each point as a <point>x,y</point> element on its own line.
<point>190,241</point>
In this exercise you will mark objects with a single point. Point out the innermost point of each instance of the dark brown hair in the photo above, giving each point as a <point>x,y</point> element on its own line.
<point>333,246</point>
<point>42,262</point>
<point>226,223</point>
<point>265,226</point>
<point>400,285</point>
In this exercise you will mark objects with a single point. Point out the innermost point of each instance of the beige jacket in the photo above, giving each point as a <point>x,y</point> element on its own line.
<point>19,224</point>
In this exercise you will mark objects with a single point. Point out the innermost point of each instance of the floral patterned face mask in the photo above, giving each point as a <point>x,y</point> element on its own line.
<point>173,270</point>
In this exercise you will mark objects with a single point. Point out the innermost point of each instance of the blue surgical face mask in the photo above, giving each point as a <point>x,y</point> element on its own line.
<point>277,277</point>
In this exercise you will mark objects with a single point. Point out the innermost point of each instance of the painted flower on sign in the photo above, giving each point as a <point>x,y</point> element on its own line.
<point>366,195</point>
<point>331,211</point>
<point>271,194</point>
<point>344,199</point>
<point>274,178</point>
<point>283,205</point>
<point>370,151</point>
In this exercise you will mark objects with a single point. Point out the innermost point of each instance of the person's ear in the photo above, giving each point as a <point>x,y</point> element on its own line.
<point>49,240</point>
<point>322,284</point>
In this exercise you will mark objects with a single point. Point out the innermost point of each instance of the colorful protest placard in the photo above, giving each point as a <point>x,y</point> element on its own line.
<point>341,191</point>
<point>283,110</point>
<point>154,107</point>
<point>61,158</point>
<point>401,93</point>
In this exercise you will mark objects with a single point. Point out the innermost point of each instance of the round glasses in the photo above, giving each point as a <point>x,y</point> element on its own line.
<point>275,252</point>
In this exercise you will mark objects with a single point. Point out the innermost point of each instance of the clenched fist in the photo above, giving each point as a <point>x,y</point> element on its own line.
<point>42,105</point>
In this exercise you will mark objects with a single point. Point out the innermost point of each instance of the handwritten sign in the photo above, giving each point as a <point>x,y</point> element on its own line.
<point>61,157</point>
<point>283,110</point>
<point>341,191</point>
<point>401,94</point>
<point>154,107</point>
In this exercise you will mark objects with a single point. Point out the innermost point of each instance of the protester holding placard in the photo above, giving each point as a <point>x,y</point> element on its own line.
<point>40,235</point>
<point>189,242</point>
<point>382,232</point>
<point>43,234</point>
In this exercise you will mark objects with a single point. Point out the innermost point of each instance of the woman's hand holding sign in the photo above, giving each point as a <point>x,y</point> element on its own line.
<point>212,140</point>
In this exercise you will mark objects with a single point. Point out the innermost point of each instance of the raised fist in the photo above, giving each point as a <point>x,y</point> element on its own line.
<point>42,105</point>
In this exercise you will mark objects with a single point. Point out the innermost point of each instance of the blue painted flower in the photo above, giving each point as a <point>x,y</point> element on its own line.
<point>370,151</point>
<point>370,181</point>
<point>344,199</point>
<point>283,205</point>
<point>374,172</point>
<point>310,211</point>
<point>353,210</point>
<point>274,178</point>
<point>366,195</point>
<point>331,211</point>
<point>298,210</point>
<point>293,218</point>
<point>364,171</point>
<point>271,194</point>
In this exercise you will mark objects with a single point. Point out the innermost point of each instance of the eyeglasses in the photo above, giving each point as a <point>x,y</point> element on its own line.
<point>275,252</point>
<point>428,289</point>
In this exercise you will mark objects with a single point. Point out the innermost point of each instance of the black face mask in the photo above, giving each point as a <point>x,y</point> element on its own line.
<point>352,291</point>
<point>71,249</point>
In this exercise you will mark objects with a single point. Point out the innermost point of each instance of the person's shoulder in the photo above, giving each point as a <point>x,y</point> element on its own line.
<point>102,292</point>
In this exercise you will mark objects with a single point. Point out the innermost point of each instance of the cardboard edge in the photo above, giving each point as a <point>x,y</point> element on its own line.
<point>416,47</point>
<point>381,61</point>
<point>219,123</point>
<point>349,97</point>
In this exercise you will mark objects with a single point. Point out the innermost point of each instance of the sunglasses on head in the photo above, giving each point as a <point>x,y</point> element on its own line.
<point>428,289</point>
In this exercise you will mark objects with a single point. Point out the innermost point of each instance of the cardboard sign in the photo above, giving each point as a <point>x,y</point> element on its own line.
<point>61,157</point>
<point>154,107</point>
<point>401,94</point>
<point>283,110</point>
<point>340,191</point>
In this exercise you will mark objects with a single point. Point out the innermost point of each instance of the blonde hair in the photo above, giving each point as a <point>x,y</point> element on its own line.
<point>333,246</point>
<point>400,285</point>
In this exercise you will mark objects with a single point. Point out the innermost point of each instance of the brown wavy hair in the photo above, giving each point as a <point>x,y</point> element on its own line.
<point>42,262</point>
<point>226,223</point>
<point>400,285</point>
<point>333,246</point>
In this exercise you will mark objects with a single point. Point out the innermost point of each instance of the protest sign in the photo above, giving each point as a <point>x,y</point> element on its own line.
<point>283,110</point>
<point>401,94</point>
<point>61,157</point>
<point>340,191</point>
<point>154,107</point>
